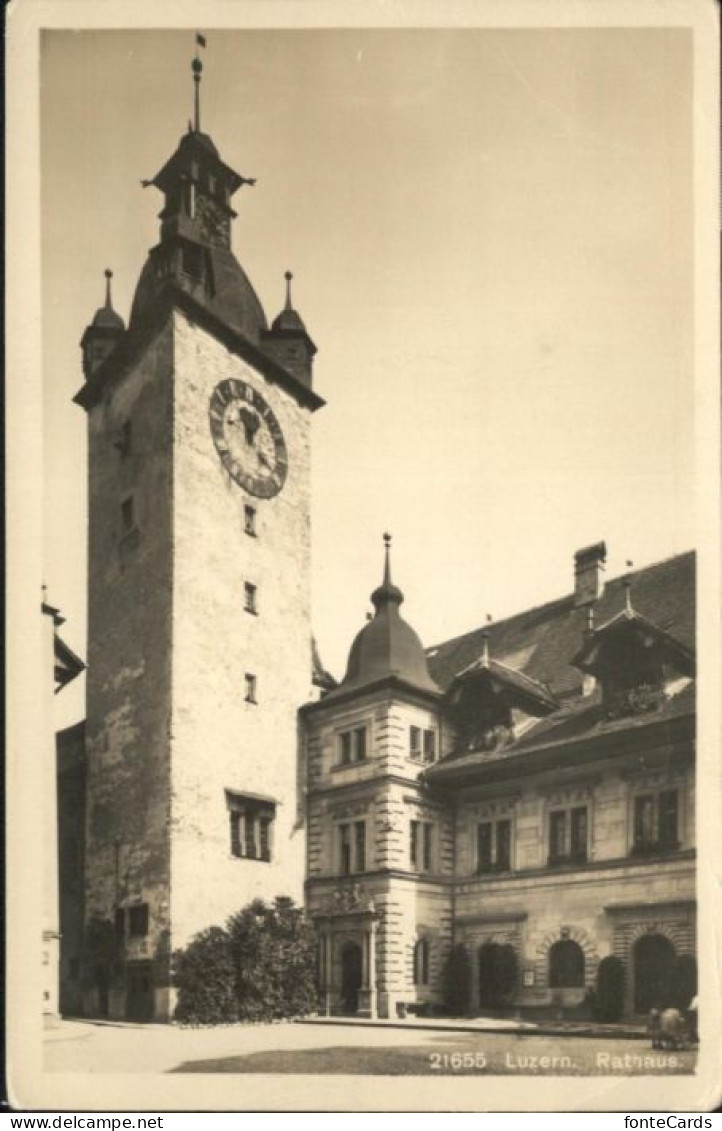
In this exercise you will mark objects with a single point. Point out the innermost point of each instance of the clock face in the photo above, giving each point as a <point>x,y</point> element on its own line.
<point>248,438</point>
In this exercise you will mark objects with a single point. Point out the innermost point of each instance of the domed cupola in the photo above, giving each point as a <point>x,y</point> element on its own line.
<point>387,648</point>
<point>103,334</point>
<point>288,340</point>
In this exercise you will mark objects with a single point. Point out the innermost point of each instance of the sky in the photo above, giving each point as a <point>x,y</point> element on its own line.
<point>491,234</point>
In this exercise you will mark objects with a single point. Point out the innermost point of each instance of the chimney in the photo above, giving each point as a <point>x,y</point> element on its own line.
<point>589,573</point>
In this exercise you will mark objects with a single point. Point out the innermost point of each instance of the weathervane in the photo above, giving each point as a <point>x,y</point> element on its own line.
<point>197,67</point>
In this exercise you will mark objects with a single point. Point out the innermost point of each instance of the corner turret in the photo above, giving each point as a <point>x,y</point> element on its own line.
<point>103,334</point>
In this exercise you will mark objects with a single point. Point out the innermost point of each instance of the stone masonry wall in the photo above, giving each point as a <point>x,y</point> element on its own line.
<point>220,741</point>
<point>129,654</point>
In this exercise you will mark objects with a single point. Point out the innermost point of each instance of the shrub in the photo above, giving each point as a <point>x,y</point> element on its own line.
<point>610,988</point>
<point>260,968</point>
<point>457,980</point>
<point>274,951</point>
<point>205,975</point>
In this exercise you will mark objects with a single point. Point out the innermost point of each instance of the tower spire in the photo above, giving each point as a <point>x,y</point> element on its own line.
<point>108,298</point>
<point>197,67</point>
<point>387,593</point>
<point>288,277</point>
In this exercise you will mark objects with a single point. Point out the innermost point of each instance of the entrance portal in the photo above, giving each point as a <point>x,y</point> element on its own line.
<point>351,976</point>
<point>653,967</point>
<point>497,975</point>
<point>139,992</point>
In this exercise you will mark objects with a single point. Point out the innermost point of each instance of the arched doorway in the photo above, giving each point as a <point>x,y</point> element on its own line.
<point>653,957</point>
<point>497,974</point>
<point>351,976</point>
<point>566,965</point>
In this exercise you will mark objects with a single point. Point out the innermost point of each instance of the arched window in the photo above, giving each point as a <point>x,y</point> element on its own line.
<point>421,963</point>
<point>566,964</point>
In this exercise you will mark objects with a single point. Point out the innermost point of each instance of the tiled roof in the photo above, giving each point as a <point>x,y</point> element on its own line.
<point>542,642</point>
<point>581,719</point>
<point>511,678</point>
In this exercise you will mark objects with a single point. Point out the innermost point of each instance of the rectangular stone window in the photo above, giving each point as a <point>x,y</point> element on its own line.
<point>360,846</point>
<point>138,920</point>
<point>421,835</point>
<point>249,520</point>
<point>250,593</point>
<point>421,963</point>
<point>422,744</point>
<point>656,822</point>
<point>251,822</point>
<point>124,441</point>
<point>352,746</point>
<point>493,846</point>
<point>568,836</point>
<point>251,685</point>
<point>344,836</point>
<point>127,515</point>
<point>119,924</point>
<point>352,847</point>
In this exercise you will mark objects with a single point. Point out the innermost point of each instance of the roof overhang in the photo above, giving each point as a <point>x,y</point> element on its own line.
<point>390,683</point>
<point>172,299</point>
<point>663,736</point>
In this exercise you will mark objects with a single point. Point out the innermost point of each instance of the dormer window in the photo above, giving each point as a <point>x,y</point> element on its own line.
<point>636,663</point>
<point>484,696</point>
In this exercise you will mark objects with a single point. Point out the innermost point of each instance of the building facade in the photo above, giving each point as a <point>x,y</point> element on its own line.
<point>523,796</point>
<point>474,826</point>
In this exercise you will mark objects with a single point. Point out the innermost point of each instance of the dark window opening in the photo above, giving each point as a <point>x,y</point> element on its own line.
<point>566,965</point>
<point>493,840</point>
<point>352,847</point>
<point>421,845</point>
<point>138,920</point>
<point>249,520</point>
<point>119,924</point>
<point>344,832</point>
<point>422,744</point>
<point>251,688</point>
<point>568,836</point>
<point>125,436</point>
<point>421,963</point>
<point>360,834</point>
<point>127,515</point>
<point>192,261</point>
<point>251,602</point>
<point>352,745</point>
<point>656,822</point>
<point>251,826</point>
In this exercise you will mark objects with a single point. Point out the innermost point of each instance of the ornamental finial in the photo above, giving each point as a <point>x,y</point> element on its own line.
<point>485,650</point>
<point>288,276</point>
<point>387,593</point>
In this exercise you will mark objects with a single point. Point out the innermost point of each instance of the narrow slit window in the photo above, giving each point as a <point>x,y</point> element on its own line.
<point>127,514</point>
<point>249,520</point>
<point>251,688</point>
<point>250,598</point>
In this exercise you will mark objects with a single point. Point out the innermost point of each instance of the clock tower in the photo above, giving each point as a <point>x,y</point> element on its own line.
<point>199,634</point>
